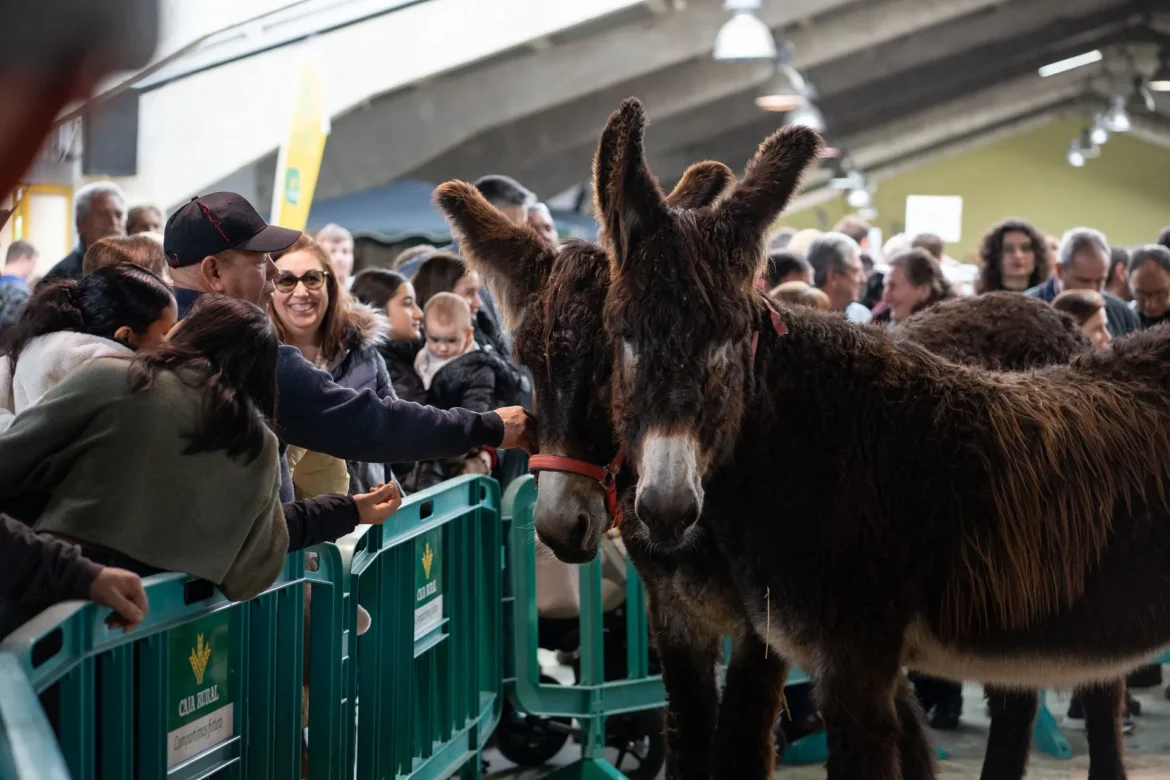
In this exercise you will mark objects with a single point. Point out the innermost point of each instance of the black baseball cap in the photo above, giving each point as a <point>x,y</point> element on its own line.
<point>210,224</point>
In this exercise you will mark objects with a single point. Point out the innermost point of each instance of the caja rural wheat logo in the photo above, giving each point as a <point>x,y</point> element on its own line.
<point>200,655</point>
<point>199,693</point>
<point>428,557</point>
<point>428,582</point>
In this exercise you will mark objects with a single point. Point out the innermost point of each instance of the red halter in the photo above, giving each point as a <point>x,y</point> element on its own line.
<point>607,477</point>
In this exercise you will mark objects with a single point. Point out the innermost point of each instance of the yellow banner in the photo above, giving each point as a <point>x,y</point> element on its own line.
<point>299,160</point>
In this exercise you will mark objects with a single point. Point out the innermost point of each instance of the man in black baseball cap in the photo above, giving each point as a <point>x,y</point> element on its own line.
<point>218,243</point>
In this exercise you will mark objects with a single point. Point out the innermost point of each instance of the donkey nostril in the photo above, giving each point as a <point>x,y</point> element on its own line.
<point>581,529</point>
<point>671,512</point>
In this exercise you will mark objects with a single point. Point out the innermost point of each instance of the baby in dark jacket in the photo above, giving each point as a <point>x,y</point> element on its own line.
<point>458,374</point>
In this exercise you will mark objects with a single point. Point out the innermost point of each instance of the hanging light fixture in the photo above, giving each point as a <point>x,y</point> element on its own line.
<point>1089,148</point>
<point>744,36</point>
<point>859,198</point>
<point>1076,157</point>
<point>807,115</point>
<point>786,90</point>
<point>1160,81</point>
<point>1116,119</point>
<point>1099,133</point>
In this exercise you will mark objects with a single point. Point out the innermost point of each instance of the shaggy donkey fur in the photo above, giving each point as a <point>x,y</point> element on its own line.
<point>1006,331</point>
<point>555,302</point>
<point>880,506</point>
<point>999,331</point>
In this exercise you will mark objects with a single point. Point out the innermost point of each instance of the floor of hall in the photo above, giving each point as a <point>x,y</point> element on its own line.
<point>1147,749</point>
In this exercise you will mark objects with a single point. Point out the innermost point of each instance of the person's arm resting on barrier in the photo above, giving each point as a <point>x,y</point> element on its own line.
<point>40,569</point>
<point>316,413</point>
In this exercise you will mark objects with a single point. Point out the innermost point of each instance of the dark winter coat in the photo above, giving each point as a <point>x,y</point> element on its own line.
<point>360,366</point>
<point>399,357</point>
<point>67,268</point>
<point>479,381</point>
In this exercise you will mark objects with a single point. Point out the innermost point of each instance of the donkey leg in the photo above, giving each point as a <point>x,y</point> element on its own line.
<point>856,695</point>
<point>1010,740</point>
<point>744,739</point>
<point>688,660</point>
<point>1103,705</point>
<point>915,751</point>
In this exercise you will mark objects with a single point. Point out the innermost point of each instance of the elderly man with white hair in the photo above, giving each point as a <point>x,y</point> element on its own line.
<point>837,271</point>
<point>99,211</point>
<point>1083,264</point>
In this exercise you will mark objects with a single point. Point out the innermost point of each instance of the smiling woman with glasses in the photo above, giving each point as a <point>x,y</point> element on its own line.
<point>338,335</point>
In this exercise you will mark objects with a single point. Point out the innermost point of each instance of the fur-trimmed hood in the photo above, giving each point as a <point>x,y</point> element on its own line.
<point>368,328</point>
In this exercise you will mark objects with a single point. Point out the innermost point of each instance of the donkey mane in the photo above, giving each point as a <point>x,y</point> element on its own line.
<point>1057,449</point>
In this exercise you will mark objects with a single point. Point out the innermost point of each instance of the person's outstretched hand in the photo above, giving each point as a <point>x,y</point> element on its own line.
<point>121,591</point>
<point>377,505</point>
<point>519,428</point>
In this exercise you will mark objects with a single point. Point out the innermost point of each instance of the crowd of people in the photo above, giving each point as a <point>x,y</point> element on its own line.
<point>240,380</point>
<point>1109,290</point>
<point>221,375</point>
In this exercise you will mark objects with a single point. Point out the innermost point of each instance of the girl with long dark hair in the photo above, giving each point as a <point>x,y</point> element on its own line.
<point>1014,256</point>
<point>393,293</point>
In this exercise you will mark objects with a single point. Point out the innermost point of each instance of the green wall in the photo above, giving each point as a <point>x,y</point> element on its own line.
<point>1125,192</point>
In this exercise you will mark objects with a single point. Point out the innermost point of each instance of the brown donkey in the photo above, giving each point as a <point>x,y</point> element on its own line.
<point>879,506</point>
<point>1004,331</point>
<point>555,302</point>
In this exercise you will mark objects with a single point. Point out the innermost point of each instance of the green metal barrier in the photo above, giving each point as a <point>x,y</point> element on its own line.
<point>425,682</point>
<point>198,688</point>
<point>210,687</point>
<point>592,699</point>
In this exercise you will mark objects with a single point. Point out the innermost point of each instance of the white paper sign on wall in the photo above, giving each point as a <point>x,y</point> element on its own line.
<point>938,214</point>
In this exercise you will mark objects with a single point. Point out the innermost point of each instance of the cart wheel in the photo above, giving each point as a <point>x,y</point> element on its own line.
<point>529,740</point>
<point>638,739</point>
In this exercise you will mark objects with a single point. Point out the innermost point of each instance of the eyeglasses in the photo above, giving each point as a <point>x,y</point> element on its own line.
<point>313,280</point>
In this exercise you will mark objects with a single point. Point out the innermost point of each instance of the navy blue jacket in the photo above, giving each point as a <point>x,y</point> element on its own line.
<point>1120,319</point>
<point>314,412</point>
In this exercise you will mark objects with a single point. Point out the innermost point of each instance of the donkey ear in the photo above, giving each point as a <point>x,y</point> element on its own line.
<point>700,186</point>
<point>514,260</point>
<point>627,197</point>
<point>771,177</point>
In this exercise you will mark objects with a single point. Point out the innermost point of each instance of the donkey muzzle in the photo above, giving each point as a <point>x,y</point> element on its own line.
<point>570,516</point>
<point>670,493</point>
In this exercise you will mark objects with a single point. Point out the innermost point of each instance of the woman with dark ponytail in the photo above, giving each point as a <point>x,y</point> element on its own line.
<point>109,313</point>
